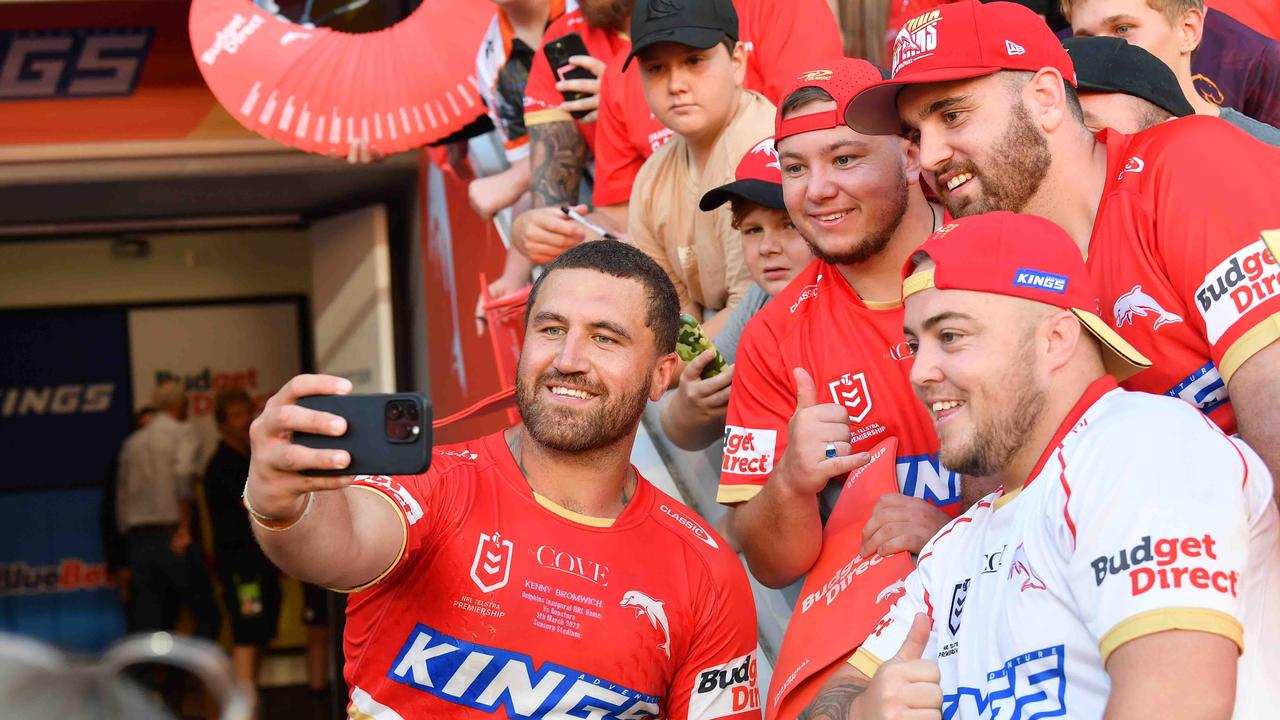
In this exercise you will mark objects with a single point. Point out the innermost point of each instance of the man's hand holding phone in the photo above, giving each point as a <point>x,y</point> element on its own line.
<point>276,486</point>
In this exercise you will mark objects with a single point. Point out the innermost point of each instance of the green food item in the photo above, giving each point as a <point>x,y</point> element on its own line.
<point>691,343</point>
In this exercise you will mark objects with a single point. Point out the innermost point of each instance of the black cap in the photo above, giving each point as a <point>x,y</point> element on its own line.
<point>1113,65</point>
<point>696,23</point>
<point>760,192</point>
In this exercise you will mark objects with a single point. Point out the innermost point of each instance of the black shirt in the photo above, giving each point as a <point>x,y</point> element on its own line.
<point>224,480</point>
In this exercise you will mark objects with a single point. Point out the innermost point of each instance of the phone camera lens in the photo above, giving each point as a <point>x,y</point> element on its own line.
<point>394,412</point>
<point>411,411</point>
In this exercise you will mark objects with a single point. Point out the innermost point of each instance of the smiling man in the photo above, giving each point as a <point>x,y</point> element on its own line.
<point>1130,555</point>
<point>693,67</point>
<point>1175,220</point>
<point>506,580</point>
<point>822,370</point>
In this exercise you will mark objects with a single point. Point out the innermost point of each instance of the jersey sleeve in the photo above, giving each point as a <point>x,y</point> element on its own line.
<point>719,678</point>
<point>422,503</point>
<point>760,406</point>
<point>1160,531</point>
<point>889,634</point>
<point>618,160</point>
<point>793,37</point>
<point>541,98</point>
<point>1215,198</point>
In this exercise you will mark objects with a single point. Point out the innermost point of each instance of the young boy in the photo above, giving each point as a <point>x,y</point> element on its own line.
<point>693,67</point>
<point>774,252</point>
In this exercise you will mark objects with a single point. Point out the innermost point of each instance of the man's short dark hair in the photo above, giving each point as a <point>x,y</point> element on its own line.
<point>800,97</point>
<point>226,398</point>
<point>621,260</point>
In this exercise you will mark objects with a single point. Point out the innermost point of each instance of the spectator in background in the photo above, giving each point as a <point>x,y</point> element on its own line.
<point>114,545</point>
<point>1261,15</point>
<point>560,142</point>
<point>1172,31</point>
<point>502,69</point>
<point>693,68</point>
<point>779,38</point>
<point>250,583</point>
<point>154,511</point>
<point>1122,86</point>
<point>774,251</point>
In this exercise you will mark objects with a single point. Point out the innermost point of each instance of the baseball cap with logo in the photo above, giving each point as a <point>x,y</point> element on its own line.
<point>1113,65</point>
<point>958,41</point>
<point>758,179</point>
<point>842,78</point>
<point>1022,256</point>
<point>696,23</point>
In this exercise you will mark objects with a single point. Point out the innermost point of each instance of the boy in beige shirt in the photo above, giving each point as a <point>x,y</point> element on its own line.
<point>693,68</point>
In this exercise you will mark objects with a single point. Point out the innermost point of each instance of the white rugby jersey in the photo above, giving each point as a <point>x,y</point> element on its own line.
<point>1141,517</point>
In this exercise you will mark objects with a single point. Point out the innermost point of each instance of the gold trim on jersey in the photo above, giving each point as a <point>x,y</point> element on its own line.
<point>882,304</point>
<point>734,494</point>
<point>1177,618</point>
<point>404,543</point>
<point>1249,344</point>
<point>1006,498</point>
<point>864,662</point>
<point>568,514</point>
<point>542,117</point>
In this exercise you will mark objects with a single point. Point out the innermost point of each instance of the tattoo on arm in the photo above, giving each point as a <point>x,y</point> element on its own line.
<point>835,702</point>
<point>558,154</point>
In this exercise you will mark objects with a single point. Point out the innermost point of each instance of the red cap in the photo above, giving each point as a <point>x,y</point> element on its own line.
<point>1022,256</point>
<point>955,42</point>
<point>758,179</point>
<point>842,78</point>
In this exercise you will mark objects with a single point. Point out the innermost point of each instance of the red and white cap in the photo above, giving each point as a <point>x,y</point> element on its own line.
<point>958,41</point>
<point>842,78</point>
<point>757,179</point>
<point>1022,256</point>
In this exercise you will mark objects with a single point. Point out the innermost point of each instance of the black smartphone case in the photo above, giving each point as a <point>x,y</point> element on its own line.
<point>558,52</point>
<point>372,453</point>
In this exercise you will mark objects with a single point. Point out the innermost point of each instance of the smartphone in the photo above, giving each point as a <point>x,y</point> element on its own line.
<point>691,342</point>
<point>558,53</point>
<point>386,434</point>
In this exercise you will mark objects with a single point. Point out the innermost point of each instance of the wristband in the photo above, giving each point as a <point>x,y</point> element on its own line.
<point>274,524</point>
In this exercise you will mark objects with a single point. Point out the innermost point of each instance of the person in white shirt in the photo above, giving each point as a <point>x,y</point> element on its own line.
<point>1127,568</point>
<point>158,469</point>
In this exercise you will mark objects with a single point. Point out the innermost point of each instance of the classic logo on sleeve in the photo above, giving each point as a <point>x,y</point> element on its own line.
<point>407,502</point>
<point>748,451</point>
<point>689,524</point>
<point>1167,564</point>
<point>725,690</point>
<point>1236,286</point>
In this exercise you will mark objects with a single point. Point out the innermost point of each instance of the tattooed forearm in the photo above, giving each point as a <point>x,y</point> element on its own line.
<point>558,154</point>
<point>835,702</point>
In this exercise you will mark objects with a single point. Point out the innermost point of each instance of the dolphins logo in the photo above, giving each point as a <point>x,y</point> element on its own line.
<point>1138,303</point>
<point>766,147</point>
<point>898,586</point>
<point>653,609</point>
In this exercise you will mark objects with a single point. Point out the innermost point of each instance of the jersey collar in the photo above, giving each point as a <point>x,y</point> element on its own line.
<point>1091,395</point>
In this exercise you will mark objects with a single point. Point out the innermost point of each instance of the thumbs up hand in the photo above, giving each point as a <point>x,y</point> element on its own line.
<point>905,686</point>
<point>805,468</point>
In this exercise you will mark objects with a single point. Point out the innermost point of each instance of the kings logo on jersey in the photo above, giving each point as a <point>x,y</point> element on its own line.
<point>491,568</point>
<point>851,391</point>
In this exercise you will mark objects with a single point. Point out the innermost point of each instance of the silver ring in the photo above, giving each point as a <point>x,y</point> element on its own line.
<point>831,450</point>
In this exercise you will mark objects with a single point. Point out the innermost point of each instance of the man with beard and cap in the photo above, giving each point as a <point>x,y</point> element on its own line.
<point>821,375</point>
<point>1130,553</point>
<point>1175,221</point>
<point>531,573</point>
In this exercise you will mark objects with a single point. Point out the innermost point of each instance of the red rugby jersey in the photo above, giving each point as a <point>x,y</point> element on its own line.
<point>782,39</point>
<point>857,356</point>
<point>504,604</point>
<point>1178,259</point>
<point>541,98</point>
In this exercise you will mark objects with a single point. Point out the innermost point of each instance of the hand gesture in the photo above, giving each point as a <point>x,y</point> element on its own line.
<point>905,686</point>
<point>899,522</point>
<point>805,468</point>
<point>276,487</point>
